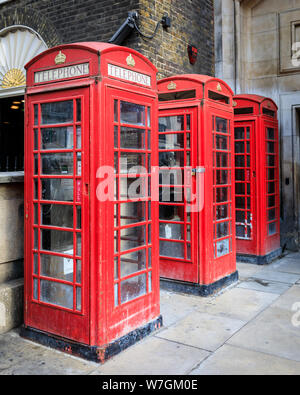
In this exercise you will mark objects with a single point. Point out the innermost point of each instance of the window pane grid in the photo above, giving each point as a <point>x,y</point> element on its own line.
<point>132,128</point>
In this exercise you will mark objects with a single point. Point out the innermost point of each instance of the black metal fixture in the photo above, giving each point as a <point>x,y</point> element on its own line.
<point>131,24</point>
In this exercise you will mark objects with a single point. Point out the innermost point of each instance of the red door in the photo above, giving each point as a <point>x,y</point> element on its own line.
<point>178,223</point>
<point>245,187</point>
<point>57,228</point>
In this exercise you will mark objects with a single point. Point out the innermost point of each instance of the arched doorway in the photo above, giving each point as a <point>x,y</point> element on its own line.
<point>18,44</point>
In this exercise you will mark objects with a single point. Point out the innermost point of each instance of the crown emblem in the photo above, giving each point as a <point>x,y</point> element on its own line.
<point>219,88</point>
<point>60,58</point>
<point>130,61</point>
<point>172,86</point>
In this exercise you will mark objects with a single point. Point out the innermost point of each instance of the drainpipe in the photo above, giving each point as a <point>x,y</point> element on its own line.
<point>235,46</point>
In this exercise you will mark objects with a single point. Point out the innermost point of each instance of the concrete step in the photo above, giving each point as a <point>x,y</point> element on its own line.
<point>11,304</point>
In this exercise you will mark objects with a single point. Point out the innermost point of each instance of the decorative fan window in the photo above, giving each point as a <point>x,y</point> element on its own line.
<point>18,45</point>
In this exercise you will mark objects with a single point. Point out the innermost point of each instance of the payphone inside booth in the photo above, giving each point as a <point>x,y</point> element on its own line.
<point>196,191</point>
<point>256,179</point>
<point>91,233</point>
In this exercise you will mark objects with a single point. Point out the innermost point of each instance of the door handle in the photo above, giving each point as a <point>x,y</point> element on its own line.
<point>198,170</point>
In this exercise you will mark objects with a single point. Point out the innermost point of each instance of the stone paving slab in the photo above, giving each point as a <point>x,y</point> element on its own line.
<point>231,360</point>
<point>272,332</point>
<point>288,299</point>
<point>268,275</point>
<point>238,303</point>
<point>174,306</point>
<point>22,357</point>
<point>264,286</point>
<point>247,269</point>
<point>154,356</point>
<point>202,330</point>
<point>286,265</point>
<point>293,255</point>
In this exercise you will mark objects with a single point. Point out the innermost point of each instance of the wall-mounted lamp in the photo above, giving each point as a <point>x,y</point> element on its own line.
<point>131,24</point>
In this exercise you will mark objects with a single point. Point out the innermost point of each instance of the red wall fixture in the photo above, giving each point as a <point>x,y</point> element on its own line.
<point>91,244</point>
<point>196,159</point>
<point>256,179</point>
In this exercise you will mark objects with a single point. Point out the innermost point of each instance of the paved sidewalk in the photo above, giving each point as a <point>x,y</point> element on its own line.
<point>249,328</point>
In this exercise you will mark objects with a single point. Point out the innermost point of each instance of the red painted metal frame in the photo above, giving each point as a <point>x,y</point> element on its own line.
<point>209,98</point>
<point>99,322</point>
<point>262,114</point>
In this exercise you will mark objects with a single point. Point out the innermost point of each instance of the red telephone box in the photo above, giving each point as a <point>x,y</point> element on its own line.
<point>257,179</point>
<point>91,260</point>
<point>196,211</point>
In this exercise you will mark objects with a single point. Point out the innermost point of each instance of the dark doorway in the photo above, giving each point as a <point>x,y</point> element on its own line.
<point>12,134</point>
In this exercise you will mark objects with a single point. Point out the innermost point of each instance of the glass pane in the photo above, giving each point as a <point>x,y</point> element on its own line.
<point>188,122</point>
<point>150,282</point>
<point>78,225</point>
<point>171,176</point>
<point>57,241</point>
<point>271,174</point>
<point>132,138</point>
<point>116,296</point>
<point>223,230</point>
<point>173,195</point>
<point>133,288</point>
<point>57,189</point>
<point>272,228</point>
<point>78,164</point>
<point>171,231</point>
<point>149,257</point>
<point>78,137</point>
<point>171,141</point>
<point>271,187</point>
<point>240,202</point>
<point>133,237</point>
<point>57,267</point>
<point>240,217</point>
<point>171,124</point>
<point>133,162</point>
<point>133,188</point>
<point>35,289</point>
<point>57,164</point>
<point>78,244</point>
<point>171,213</point>
<point>57,138</point>
<point>172,159</point>
<point>171,249</point>
<point>116,137</point>
<point>222,195</point>
<point>239,133</point>
<point>271,160</point>
<point>271,201</point>
<point>240,161</point>
<point>35,239</point>
<point>116,242</point>
<point>36,114</point>
<point>36,164</point>
<point>133,262</point>
<point>239,147</point>
<point>35,264</point>
<point>78,272</point>
<point>222,212</point>
<point>78,110</point>
<point>133,212</point>
<point>134,114</point>
<point>57,294</point>
<point>240,188</point>
<point>222,248</point>
<point>221,125</point>
<point>36,214</point>
<point>271,148</point>
<point>222,160</point>
<point>116,111</point>
<point>270,134</point>
<point>272,214</point>
<point>78,299</point>
<point>222,177</point>
<point>240,231</point>
<point>57,215</point>
<point>58,112</point>
<point>221,142</point>
<point>36,140</point>
<point>240,175</point>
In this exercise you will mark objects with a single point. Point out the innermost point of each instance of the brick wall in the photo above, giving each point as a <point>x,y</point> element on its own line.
<point>65,21</point>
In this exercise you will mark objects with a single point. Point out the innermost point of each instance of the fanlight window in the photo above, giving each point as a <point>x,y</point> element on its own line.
<point>18,45</point>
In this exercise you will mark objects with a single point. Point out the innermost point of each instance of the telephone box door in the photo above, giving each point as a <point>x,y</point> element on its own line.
<point>245,186</point>
<point>57,229</point>
<point>178,222</point>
